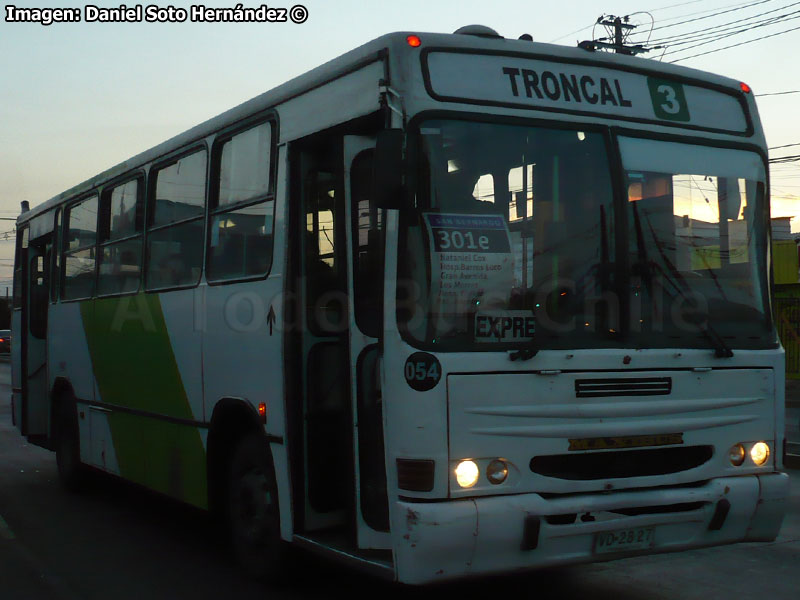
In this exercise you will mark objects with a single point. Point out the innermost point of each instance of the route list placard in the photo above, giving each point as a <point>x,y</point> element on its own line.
<point>471,261</point>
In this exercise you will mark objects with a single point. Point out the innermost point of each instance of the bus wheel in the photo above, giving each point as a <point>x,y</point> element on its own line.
<point>253,514</point>
<point>71,472</point>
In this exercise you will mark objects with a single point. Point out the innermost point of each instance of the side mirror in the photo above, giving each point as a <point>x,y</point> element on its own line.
<point>388,190</point>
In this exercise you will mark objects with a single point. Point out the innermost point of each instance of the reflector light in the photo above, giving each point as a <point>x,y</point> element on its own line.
<point>413,41</point>
<point>736,455</point>
<point>745,88</point>
<point>497,471</point>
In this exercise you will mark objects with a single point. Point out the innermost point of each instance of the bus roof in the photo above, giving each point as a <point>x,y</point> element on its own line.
<point>392,45</point>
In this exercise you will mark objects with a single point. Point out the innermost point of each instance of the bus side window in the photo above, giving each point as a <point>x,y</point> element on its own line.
<point>323,253</point>
<point>122,218</point>
<point>368,248</point>
<point>80,250</point>
<point>175,223</point>
<point>240,242</point>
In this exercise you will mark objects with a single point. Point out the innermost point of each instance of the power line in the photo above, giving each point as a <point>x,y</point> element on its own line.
<point>785,146</point>
<point>702,12</point>
<point>702,41</point>
<point>737,6</point>
<point>723,27</point>
<point>735,21</point>
<point>735,45</point>
<point>719,35</point>
<point>784,159</point>
<point>713,14</point>
<point>779,93</point>
<point>654,10</point>
<point>674,5</point>
<point>730,24</point>
<point>573,33</point>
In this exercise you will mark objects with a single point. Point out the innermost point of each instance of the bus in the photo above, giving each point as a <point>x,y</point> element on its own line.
<point>445,306</point>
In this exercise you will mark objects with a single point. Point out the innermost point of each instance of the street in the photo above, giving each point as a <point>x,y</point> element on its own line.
<point>119,541</point>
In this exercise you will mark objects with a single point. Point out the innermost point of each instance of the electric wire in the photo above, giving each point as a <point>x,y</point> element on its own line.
<point>779,93</point>
<point>673,5</point>
<point>742,7</point>
<point>709,29</point>
<point>735,45</point>
<point>701,12</point>
<point>727,35</point>
<point>738,24</point>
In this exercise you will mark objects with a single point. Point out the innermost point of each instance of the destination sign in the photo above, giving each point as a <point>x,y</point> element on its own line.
<point>547,85</point>
<point>505,326</point>
<point>471,264</point>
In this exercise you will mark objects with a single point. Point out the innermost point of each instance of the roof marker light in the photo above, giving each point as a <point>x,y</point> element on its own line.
<point>745,88</point>
<point>413,41</point>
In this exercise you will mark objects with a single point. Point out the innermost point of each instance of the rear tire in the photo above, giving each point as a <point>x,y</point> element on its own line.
<point>71,472</point>
<point>253,513</point>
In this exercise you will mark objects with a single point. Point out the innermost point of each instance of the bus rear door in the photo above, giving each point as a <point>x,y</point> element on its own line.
<point>34,409</point>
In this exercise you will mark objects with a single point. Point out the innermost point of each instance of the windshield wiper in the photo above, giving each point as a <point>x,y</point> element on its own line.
<point>721,349</point>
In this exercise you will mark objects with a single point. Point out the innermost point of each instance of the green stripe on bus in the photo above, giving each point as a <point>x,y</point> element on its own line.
<point>135,367</point>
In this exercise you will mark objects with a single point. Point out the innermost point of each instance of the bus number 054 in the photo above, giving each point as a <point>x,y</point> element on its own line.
<point>422,371</point>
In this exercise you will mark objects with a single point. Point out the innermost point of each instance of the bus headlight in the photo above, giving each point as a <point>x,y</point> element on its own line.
<point>736,454</point>
<point>759,453</point>
<point>497,471</point>
<point>467,473</point>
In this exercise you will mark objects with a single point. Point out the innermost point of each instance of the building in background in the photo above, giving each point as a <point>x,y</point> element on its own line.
<point>786,273</point>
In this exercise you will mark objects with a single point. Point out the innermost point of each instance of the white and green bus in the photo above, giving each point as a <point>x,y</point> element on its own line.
<point>447,305</point>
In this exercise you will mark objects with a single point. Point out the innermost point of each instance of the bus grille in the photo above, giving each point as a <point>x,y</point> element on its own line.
<point>640,386</point>
<point>621,463</point>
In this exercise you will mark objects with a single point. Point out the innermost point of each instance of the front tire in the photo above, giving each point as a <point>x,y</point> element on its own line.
<point>71,472</point>
<point>253,511</point>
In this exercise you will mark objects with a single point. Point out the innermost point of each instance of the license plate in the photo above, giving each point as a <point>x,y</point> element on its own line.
<point>623,540</point>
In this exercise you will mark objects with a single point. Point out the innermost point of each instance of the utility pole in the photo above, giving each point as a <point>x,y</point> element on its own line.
<point>618,26</point>
<point>618,29</point>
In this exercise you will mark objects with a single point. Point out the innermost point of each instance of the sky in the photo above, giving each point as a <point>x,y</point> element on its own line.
<point>78,98</point>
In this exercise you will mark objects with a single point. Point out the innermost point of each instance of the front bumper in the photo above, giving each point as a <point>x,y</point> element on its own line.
<point>479,536</point>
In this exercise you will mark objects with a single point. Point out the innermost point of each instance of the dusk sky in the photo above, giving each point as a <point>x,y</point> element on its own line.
<point>76,99</point>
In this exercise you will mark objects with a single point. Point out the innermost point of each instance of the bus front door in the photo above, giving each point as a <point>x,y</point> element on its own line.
<point>339,275</point>
<point>365,258</point>
<point>322,364</point>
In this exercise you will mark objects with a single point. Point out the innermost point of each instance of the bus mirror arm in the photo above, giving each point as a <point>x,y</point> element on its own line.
<point>388,191</point>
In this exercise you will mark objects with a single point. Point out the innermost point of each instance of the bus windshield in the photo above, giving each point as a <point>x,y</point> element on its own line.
<point>514,242</point>
<point>697,222</point>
